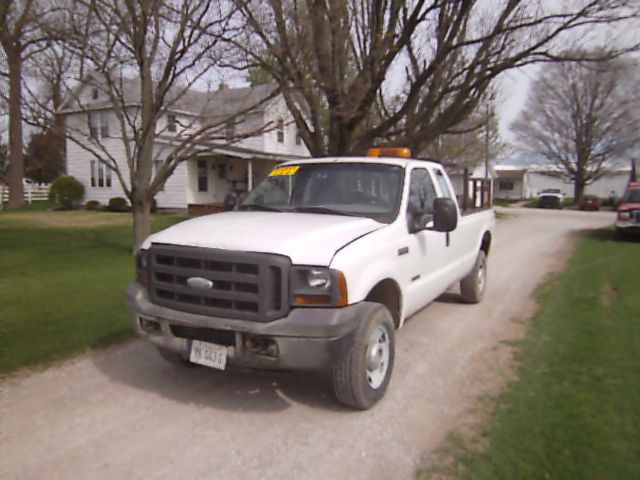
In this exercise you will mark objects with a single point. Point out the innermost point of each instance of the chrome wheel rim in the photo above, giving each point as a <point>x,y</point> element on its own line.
<point>482,276</point>
<point>377,357</point>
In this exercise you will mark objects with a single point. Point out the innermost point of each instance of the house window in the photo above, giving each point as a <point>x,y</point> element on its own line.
<point>298,136</point>
<point>203,176</point>
<point>94,125</point>
<point>280,130</point>
<point>93,173</point>
<point>222,171</point>
<point>230,130</point>
<point>172,123</point>
<point>505,185</point>
<point>95,94</point>
<point>104,127</point>
<point>98,124</point>
<point>100,174</point>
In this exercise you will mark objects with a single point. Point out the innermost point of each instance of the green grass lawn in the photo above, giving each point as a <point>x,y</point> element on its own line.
<point>62,283</point>
<point>574,412</point>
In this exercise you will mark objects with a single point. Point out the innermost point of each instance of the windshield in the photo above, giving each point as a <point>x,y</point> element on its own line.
<point>632,196</point>
<point>354,189</point>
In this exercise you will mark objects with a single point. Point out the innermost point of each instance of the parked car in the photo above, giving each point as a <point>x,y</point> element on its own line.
<point>589,202</point>
<point>628,220</point>
<point>551,198</point>
<point>314,270</point>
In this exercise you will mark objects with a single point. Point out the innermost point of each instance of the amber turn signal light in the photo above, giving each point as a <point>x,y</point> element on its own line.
<point>319,300</point>
<point>343,296</point>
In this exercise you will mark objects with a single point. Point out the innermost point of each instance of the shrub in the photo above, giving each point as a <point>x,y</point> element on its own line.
<point>66,191</point>
<point>118,204</point>
<point>92,205</point>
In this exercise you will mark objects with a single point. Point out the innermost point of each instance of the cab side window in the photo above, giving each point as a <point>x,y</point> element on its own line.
<point>421,192</point>
<point>444,187</point>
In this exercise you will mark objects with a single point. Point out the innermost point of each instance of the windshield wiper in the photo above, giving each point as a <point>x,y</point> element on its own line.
<point>255,206</point>
<point>323,210</point>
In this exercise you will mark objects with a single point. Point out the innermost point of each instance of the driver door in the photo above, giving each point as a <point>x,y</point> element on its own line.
<point>421,262</point>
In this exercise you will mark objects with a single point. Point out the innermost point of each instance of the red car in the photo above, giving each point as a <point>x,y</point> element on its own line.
<point>629,211</point>
<point>589,202</point>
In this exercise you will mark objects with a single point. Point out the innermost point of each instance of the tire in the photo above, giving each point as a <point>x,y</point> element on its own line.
<point>174,358</point>
<point>472,286</point>
<point>361,376</point>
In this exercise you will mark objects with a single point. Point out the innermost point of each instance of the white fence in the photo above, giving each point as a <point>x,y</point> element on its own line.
<point>32,192</point>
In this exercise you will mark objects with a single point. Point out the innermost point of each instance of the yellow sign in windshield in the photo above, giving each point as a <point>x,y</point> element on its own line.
<point>284,171</point>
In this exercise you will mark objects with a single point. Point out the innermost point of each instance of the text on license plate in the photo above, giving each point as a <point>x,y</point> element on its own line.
<point>208,354</point>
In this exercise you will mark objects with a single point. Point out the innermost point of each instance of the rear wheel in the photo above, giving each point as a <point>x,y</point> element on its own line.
<point>473,285</point>
<point>361,376</point>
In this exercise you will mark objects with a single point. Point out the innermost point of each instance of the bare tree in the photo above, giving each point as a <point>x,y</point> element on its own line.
<point>145,57</point>
<point>48,73</point>
<point>20,37</point>
<point>333,60</point>
<point>582,117</point>
<point>475,141</point>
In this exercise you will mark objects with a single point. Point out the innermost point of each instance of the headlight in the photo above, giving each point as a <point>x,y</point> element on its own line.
<point>318,287</point>
<point>142,266</point>
<point>319,278</point>
<point>624,216</point>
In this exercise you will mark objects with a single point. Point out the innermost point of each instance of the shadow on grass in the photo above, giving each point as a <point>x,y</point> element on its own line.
<point>137,364</point>
<point>610,235</point>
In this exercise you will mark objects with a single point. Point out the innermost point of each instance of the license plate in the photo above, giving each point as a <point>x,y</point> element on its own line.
<point>208,354</point>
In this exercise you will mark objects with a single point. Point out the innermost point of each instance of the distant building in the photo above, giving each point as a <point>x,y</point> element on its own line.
<point>206,178</point>
<point>517,182</point>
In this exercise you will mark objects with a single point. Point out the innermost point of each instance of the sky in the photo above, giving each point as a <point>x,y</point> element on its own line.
<point>513,84</point>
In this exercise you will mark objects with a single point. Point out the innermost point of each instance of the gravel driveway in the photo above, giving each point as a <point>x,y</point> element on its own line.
<point>125,413</point>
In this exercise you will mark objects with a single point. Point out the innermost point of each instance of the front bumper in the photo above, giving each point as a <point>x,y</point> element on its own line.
<point>306,339</point>
<point>628,226</point>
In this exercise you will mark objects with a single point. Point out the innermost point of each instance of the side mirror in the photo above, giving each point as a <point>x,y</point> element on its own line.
<point>445,215</point>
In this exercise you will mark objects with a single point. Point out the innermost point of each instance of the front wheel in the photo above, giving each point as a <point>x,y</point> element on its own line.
<point>473,285</point>
<point>362,374</point>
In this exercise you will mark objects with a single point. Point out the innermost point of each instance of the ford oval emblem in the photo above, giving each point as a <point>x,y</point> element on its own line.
<point>199,282</point>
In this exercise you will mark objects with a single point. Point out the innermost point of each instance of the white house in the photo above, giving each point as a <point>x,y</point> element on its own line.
<point>524,182</point>
<point>206,177</point>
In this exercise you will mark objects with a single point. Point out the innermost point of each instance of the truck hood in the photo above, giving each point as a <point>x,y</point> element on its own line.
<point>623,207</point>
<point>308,239</point>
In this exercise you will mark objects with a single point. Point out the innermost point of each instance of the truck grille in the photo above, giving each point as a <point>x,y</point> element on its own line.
<point>246,286</point>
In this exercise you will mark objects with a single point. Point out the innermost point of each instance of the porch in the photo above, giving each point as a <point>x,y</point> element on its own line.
<point>211,175</point>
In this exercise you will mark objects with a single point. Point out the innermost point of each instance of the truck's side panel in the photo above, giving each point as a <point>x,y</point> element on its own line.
<point>423,264</point>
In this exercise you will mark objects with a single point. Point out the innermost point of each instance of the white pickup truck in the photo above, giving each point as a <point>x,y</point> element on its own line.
<point>318,266</point>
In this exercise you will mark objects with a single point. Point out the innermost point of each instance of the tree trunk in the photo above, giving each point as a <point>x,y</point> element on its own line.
<point>16,159</point>
<point>141,222</point>
<point>578,185</point>
<point>58,122</point>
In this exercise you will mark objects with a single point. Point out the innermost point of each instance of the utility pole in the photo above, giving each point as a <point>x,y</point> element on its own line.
<point>487,184</point>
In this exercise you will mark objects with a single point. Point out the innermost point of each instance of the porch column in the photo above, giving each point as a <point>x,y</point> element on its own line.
<point>249,175</point>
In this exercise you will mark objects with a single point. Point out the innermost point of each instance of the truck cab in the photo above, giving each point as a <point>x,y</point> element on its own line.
<point>315,270</point>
